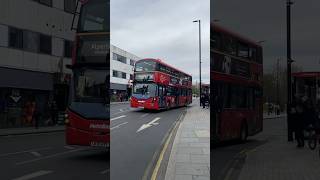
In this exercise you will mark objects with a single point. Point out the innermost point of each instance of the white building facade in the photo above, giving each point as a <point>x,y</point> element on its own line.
<point>35,46</point>
<point>121,73</point>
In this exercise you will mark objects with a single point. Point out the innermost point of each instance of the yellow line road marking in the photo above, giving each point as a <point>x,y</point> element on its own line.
<point>156,169</point>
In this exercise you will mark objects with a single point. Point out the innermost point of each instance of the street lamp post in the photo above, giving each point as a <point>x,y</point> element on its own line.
<point>278,87</point>
<point>289,61</point>
<point>199,57</point>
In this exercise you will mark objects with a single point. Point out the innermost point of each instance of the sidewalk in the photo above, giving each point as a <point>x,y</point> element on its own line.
<point>278,158</point>
<point>31,130</point>
<point>190,154</point>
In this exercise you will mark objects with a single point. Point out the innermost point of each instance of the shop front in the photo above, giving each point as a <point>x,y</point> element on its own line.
<point>24,98</point>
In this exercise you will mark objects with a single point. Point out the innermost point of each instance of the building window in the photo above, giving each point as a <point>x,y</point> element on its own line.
<point>124,75</point>
<point>70,5</point>
<point>114,73</point>
<point>31,41</point>
<point>68,48</point>
<point>45,44</point>
<point>131,62</point>
<point>120,58</point>
<point>15,38</point>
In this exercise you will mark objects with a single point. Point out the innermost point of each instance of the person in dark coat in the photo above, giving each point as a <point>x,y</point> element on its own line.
<point>203,100</point>
<point>299,122</point>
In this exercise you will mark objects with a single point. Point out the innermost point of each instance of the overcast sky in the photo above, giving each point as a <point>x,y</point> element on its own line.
<point>164,29</point>
<point>266,20</point>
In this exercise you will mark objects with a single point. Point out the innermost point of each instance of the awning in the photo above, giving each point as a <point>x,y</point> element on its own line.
<point>24,79</point>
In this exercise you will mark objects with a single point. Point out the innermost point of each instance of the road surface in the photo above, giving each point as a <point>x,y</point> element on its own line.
<point>45,156</point>
<point>229,158</point>
<point>136,139</point>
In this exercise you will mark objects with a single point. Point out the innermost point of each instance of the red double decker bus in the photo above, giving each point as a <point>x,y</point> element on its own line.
<point>236,77</point>
<point>158,85</point>
<point>87,120</point>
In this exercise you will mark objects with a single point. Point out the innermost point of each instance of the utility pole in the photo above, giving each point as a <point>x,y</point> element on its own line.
<point>199,57</point>
<point>289,61</point>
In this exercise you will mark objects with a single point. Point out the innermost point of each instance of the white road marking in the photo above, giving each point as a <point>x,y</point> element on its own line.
<point>69,147</point>
<point>33,175</point>
<point>121,110</point>
<point>117,126</point>
<point>35,153</point>
<point>26,151</point>
<point>104,172</point>
<point>47,157</point>
<point>119,117</point>
<point>124,111</point>
<point>144,115</point>
<point>151,123</point>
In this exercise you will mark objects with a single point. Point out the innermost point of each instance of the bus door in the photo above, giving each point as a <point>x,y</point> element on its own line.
<point>161,96</point>
<point>176,91</point>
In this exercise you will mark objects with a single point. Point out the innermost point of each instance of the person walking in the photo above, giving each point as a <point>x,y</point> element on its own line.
<point>299,122</point>
<point>203,100</point>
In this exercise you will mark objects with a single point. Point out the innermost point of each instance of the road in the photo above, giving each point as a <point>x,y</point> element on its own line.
<point>137,137</point>
<point>228,158</point>
<point>45,156</point>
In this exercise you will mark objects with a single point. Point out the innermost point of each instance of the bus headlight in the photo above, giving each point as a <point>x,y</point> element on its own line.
<point>66,119</point>
<point>154,99</point>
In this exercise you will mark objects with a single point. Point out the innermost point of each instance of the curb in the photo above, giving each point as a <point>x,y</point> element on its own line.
<point>124,102</point>
<point>32,132</point>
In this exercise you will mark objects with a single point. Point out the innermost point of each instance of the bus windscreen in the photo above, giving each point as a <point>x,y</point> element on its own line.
<point>90,85</point>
